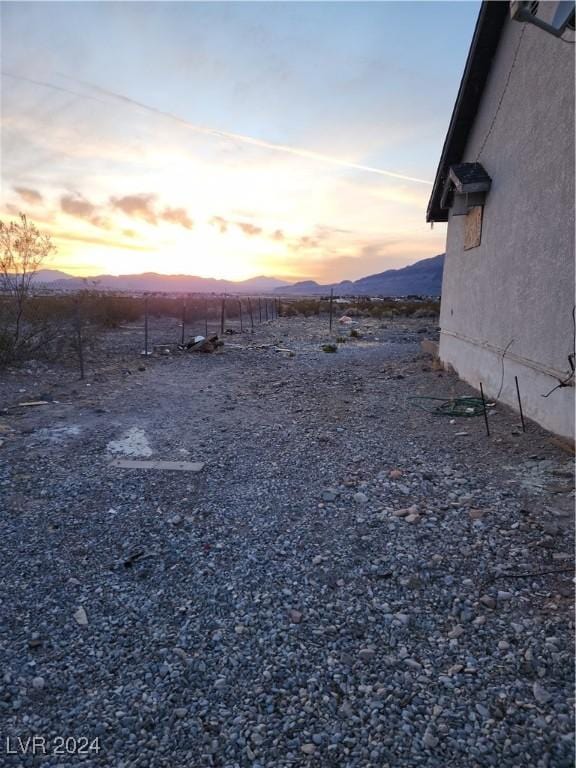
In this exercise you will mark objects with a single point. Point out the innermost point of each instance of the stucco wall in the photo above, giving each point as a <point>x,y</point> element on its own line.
<point>516,290</point>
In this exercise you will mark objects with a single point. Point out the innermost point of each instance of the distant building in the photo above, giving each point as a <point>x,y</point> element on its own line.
<point>505,185</point>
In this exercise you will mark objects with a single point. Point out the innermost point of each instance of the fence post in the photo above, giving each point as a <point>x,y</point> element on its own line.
<point>146,326</point>
<point>241,319</point>
<point>251,314</point>
<point>183,322</point>
<point>79,339</point>
<point>266,308</point>
<point>331,303</point>
<point>206,318</point>
<point>222,315</point>
<point>260,308</point>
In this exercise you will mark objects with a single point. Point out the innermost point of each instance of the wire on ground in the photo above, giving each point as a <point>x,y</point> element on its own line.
<point>456,406</point>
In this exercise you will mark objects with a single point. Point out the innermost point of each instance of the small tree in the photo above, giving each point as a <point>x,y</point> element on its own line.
<point>23,249</point>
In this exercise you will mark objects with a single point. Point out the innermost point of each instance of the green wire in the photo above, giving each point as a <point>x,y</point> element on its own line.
<point>456,406</point>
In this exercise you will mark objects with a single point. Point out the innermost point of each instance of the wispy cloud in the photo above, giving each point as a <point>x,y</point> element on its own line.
<point>30,196</point>
<point>59,235</point>
<point>138,206</point>
<point>143,206</point>
<point>219,222</point>
<point>248,229</point>
<point>177,216</point>
<point>78,206</point>
<point>227,135</point>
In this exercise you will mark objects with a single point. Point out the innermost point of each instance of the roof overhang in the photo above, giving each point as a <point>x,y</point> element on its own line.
<point>489,25</point>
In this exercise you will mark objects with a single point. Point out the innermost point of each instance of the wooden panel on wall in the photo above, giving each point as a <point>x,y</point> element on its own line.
<point>473,227</point>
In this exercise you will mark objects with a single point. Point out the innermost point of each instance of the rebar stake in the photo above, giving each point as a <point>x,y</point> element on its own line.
<point>520,404</point>
<point>484,409</point>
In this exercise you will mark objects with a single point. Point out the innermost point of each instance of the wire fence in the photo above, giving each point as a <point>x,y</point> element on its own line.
<point>68,327</point>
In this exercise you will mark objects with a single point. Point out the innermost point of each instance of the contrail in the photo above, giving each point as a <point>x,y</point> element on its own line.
<point>218,133</point>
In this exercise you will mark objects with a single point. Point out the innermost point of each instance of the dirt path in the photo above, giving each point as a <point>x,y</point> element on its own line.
<point>279,607</point>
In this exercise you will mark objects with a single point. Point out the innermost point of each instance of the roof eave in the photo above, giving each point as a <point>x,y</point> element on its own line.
<point>487,32</point>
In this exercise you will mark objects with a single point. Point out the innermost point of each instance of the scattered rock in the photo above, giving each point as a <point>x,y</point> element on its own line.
<point>38,683</point>
<point>541,695</point>
<point>81,617</point>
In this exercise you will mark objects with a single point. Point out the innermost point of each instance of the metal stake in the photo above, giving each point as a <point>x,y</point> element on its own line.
<point>206,318</point>
<point>79,338</point>
<point>520,404</point>
<point>241,321</point>
<point>485,413</point>
<point>183,322</point>
<point>331,303</point>
<point>146,326</point>
<point>251,314</point>
<point>260,308</point>
<point>222,315</point>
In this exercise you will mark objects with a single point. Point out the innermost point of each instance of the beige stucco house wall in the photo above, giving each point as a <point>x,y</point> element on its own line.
<point>507,304</point>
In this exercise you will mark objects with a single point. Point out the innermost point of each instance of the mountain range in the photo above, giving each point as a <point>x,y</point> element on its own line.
<point>424,278</point>
<point>155,283</point>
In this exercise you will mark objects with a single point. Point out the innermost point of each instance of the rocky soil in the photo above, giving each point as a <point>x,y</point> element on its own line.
<point>347,581</point>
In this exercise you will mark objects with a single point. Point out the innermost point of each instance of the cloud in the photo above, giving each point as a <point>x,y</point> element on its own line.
<point>248,229</point>
<point>305,242</point>
<point>99,241</point>
<point>30,196</point>
<point>222,224</point>
<point>138,206</point>
<point>245,226</point>
<point>78,206</point>
<point>177,216</point>
<point>234,137</point>
<point>143,206</point>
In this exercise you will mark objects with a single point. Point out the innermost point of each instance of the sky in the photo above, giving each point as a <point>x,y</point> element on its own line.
<point>229,140</point>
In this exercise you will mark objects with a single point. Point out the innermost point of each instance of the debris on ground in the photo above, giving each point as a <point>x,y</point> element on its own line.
<point>454,406</point>
<point>203,344</point>
<point>178,466</point>
<point>329,348</point>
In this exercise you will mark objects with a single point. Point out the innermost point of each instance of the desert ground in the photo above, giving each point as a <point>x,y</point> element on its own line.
<point>329,575</point>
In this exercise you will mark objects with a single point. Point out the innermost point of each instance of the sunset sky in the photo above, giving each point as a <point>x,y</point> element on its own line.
<point>229,139</point>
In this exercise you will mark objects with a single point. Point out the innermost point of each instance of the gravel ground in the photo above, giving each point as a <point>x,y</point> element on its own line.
<point>348,581</point>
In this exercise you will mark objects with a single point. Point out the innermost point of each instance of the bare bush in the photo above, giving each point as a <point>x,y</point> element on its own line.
<point>23,250</point>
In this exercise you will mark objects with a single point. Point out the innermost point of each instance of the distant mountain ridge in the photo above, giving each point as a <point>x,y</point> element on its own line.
<point>154,282</point>
<point>424,278</point>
